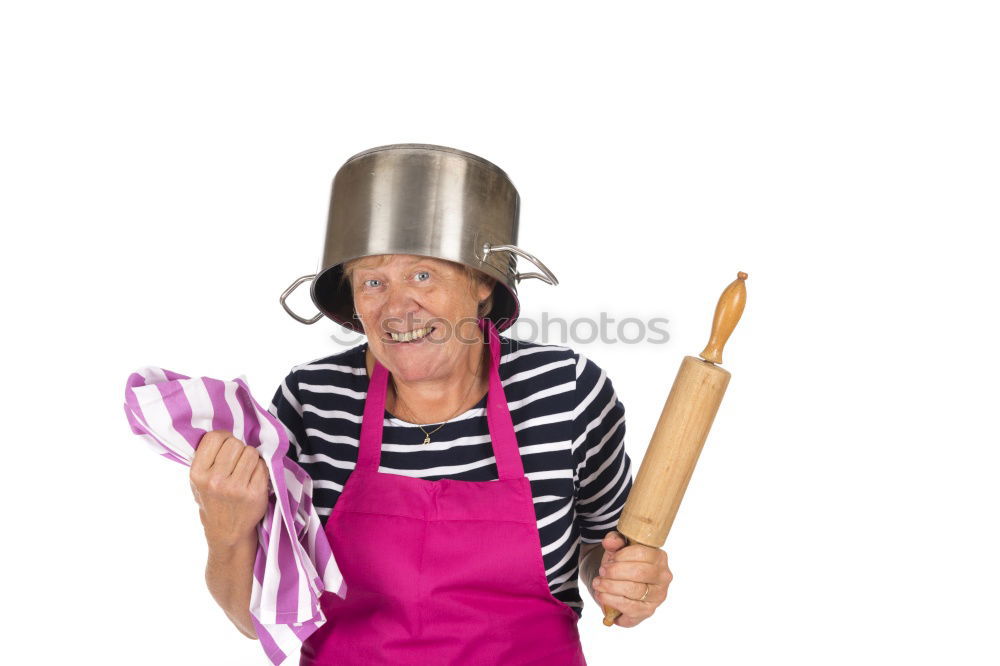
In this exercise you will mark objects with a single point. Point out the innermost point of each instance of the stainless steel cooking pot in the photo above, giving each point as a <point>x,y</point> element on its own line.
<point>427,200</point>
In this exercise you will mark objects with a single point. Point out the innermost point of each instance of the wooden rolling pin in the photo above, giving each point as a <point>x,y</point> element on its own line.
<point>680,434</point>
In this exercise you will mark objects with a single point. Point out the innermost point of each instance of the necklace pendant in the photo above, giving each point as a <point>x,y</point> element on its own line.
<point>427,439</point>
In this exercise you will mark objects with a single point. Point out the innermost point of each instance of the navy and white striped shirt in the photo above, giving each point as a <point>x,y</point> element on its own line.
<point>570,428</point>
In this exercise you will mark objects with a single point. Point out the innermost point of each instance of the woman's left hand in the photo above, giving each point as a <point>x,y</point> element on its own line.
<point>623,576</point>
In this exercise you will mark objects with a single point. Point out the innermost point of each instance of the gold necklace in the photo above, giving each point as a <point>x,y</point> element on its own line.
<point>427,435</point>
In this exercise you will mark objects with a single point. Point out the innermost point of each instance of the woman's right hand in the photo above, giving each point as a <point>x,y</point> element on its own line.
<point>230,483</point>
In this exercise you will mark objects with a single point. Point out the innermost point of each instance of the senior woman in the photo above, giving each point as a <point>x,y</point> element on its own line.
<point>465,480</point>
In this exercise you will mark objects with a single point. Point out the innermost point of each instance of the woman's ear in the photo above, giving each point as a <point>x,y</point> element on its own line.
<point>484,288</point>
<point>486,296</point>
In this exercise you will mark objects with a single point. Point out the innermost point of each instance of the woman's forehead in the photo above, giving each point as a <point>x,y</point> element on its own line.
<point>402,260</point>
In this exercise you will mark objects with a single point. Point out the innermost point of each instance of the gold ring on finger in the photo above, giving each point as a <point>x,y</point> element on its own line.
<point>643,597</point>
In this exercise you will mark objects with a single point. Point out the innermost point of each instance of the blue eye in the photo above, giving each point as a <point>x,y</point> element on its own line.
<point>418,278</point>
<point>369,283</point>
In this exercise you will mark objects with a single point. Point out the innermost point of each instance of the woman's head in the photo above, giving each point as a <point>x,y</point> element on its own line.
<point>438,300</point>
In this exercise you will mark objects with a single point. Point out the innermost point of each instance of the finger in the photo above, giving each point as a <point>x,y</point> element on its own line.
<point>245,465</point>
<point>629,608</point>
<point>609,551</point>
<point>208,447</point>
<point>225,459</point>
<point>613,542</point>
<point>639,572</point>
<point>623,588</point>
<point>260,475</point>
<point>653,569</point>
<point>640,553</point>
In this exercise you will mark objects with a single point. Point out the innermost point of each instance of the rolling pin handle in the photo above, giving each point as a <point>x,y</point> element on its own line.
<point>727,315</point>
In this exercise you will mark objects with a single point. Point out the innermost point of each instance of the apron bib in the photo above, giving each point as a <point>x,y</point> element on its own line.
<point>444,572</point>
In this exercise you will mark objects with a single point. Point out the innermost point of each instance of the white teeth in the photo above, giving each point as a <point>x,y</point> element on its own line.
<point>410,335</point>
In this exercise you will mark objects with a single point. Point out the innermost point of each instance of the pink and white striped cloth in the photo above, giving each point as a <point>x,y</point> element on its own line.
<point>294,563</point>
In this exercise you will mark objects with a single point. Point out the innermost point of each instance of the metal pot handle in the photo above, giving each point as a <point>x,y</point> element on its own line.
<point>545,276</point>
<point>285,294</point>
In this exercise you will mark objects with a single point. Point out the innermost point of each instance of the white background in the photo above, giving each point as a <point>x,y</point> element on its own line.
<point>165,174</point>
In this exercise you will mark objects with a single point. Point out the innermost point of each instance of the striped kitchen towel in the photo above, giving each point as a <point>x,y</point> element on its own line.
<point>294,563</point>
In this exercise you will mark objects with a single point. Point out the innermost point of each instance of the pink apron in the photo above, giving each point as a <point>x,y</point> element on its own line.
<point>441,572</point>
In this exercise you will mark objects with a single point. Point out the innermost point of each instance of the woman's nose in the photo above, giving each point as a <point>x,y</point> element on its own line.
<point>401,304</point>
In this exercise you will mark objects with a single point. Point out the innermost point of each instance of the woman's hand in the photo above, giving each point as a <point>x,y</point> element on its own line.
<point>230,484</point>
<point>623,576</point>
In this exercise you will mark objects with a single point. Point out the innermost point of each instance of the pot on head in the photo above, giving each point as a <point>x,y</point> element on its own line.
<point>426,200</point>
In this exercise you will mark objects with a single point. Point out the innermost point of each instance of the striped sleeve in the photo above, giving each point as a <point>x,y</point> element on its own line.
<point>286,406</point>
<point>603,469</point>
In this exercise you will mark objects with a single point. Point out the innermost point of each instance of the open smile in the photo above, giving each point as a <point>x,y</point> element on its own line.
<point>417,335</point>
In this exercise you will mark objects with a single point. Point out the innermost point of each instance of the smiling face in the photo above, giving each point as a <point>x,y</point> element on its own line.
<point>418,313</point>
